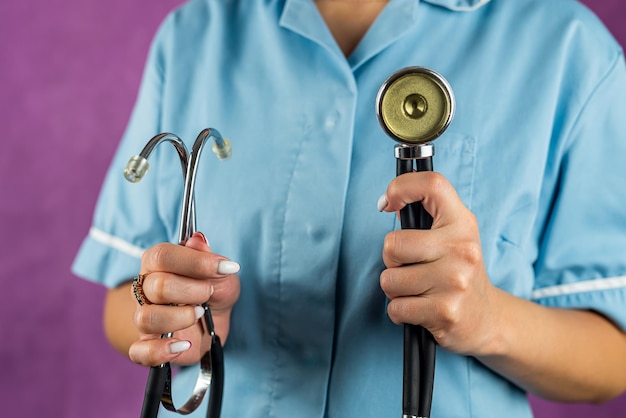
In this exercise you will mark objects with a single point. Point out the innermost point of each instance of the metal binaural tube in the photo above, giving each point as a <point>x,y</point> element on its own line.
<point>138,165</point>
<point>222,149</point>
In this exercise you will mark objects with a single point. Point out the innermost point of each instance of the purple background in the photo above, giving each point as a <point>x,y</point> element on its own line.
<point>68,78</point>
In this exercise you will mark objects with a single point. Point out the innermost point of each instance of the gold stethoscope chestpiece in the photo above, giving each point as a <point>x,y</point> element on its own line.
<point>415,105</point>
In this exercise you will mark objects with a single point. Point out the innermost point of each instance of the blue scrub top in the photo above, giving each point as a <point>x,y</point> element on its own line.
<point>536,151</point>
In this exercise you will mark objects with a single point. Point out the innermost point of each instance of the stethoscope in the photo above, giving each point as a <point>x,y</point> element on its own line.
<point>414,106</point>
<point>211,374</point>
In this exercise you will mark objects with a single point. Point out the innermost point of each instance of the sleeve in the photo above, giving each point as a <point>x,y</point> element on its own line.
<point>582,263</point>
<point>128,218</point>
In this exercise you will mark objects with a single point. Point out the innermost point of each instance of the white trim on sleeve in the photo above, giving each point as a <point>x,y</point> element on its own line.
<point>115,242</point>
<point>580,287</point>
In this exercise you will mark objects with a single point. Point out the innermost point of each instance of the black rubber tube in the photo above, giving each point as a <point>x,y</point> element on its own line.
<point>154,390</point>
<point>419,344</point>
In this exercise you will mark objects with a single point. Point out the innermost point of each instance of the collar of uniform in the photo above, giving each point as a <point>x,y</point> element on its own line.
<point>302,17</point>
<point>459,5</point>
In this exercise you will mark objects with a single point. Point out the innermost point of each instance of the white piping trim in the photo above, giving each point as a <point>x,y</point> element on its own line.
<point>115,242</point>
<point>580,287</point>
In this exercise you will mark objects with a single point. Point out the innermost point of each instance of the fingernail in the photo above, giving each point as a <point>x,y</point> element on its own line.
<point>228,267</point>
<point>179,347</point>
<point>382,203</point>
<point>199,311</point>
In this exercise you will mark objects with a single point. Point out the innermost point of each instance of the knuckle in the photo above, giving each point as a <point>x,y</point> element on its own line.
<point>155,256</point>
<point>472,221</point>
<point>207,263</point>
<point>204,292</point>
<point>144,353</point>
<point>399,311</point>
<point>391,246</point>
<point>196,293</point>
<point>392,311</point>
<point>145,320</point>
<point>471,253</point>
<point>435,181</point>
<point>134,355</point>
<point>393,188</point>
<point>156,288</point>
<point>226,294</point>
<point>460,282</point>
<point>450,314</point>
<point>386,282</point>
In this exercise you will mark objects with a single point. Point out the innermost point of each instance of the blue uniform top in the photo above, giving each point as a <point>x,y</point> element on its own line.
<point>537,151</point>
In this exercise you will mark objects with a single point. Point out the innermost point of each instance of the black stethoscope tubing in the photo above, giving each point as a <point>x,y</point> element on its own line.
<point>419,344</point>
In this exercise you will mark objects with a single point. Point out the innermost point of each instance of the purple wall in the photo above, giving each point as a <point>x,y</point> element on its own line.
<point>68,79</point>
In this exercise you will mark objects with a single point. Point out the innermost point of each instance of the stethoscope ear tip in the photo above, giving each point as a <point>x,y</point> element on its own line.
<point>222,149</point>
<point>136,168</point>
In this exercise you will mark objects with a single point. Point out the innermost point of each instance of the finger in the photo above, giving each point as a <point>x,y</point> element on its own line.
<point>186,261</point>
<point>163,319</point>
<point>198,241</point>
<point>435,192</point>
<point>410,246</point>
<point>405,281</point>
<point>165,288</point>
<point>414,310</point>
<point>225,291</point>
<point>154,351</point>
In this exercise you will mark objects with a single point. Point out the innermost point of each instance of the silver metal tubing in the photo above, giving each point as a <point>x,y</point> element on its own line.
<point>138,166</point>
<point>222,149</point>
<point>414,152</point>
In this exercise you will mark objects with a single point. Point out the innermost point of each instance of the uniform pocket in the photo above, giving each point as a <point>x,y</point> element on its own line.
<point>455,158</point>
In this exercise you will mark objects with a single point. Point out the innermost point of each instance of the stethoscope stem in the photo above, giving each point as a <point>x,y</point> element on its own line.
<point>419,344</point>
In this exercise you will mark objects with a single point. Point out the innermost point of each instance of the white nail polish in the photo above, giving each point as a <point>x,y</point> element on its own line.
<point>382,203</point>
<point>199,311</point>
<point>179,347</point>
<point>228,267</point>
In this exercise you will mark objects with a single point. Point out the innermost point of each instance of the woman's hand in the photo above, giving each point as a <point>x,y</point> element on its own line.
<point>436,278</point>
<point>177,280</point>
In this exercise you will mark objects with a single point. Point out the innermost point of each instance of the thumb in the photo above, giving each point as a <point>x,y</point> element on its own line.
<point>432,189</point>
<point>198,241</point>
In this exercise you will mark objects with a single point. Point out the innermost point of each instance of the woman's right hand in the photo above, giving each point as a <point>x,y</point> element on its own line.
<point>177,280</point>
